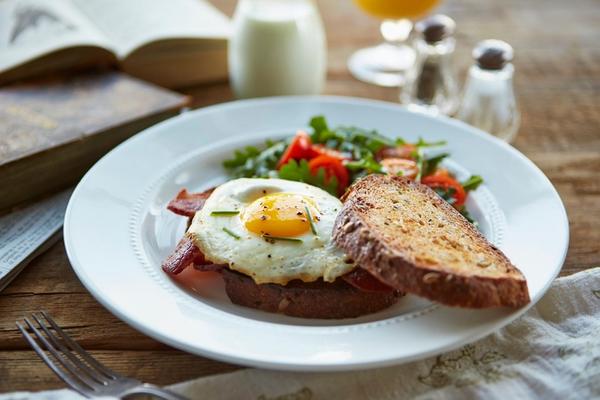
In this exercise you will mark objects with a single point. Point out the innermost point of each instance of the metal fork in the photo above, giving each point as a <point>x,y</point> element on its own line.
<point>77,368</point>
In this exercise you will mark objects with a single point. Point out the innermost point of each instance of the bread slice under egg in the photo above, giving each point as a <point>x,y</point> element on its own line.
<point>408,237</point>
<point>319,299</point>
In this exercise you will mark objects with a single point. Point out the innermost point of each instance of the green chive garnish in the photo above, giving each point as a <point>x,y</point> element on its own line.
<point>312,226</point>
<point>283,239</point>
<point>220,213</point>
<point>232,234</point>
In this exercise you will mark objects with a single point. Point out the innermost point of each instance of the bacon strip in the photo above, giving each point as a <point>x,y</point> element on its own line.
<point>184,254</point>
<point>362,280</point>
<point>186,203</point>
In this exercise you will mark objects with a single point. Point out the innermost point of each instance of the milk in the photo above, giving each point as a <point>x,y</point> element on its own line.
<point>277,48</point>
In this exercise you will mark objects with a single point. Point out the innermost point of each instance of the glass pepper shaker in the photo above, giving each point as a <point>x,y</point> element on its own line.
<point>431,82</point>
<point>488,101</point>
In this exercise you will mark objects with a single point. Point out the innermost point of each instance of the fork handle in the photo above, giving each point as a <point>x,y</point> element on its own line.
<point>155,391</point>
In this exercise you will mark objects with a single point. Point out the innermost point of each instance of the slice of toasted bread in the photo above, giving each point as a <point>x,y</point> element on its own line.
<point>322,300</point>
<point>407,236</point>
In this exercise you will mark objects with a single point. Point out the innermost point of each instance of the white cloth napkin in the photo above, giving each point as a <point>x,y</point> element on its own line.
<point>551,352</point>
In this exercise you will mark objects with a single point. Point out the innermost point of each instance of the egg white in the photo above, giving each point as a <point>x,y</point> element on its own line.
<point>269,262</point>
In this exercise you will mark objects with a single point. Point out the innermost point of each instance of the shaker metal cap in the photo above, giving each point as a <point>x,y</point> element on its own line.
<point>435,28</point>
<point>492,54</point>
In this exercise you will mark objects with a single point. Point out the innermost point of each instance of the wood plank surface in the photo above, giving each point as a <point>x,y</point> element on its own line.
<point>558,86</point>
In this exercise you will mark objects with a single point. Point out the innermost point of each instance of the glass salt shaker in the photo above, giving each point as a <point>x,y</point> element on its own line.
<point>431,83</point>
<point>488,101</point>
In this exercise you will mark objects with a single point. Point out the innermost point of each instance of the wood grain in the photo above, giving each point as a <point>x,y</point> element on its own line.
<point>22,370</point>
<point>557,82</point>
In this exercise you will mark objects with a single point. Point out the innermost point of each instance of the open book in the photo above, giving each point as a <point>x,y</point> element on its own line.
<point>172,43</point>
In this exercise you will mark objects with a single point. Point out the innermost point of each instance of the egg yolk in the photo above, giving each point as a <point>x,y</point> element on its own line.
<point>280,214</point>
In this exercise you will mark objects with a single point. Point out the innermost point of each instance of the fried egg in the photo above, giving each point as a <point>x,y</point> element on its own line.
<point>273,230</point>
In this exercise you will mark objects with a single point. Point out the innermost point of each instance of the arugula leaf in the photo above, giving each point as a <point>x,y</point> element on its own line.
<point>370,139</point>
<point>420,159</point>
<point>319,125</point>
<point>472,183</point>
<point>468,217</point>
<point>300,172</point>
<point>446,194</point>
<point>423,143</point>
<point>252,163</point>
<point>430,164</point>
<point>346,138</point>
<point>241,156</point>
<point>366,163</point>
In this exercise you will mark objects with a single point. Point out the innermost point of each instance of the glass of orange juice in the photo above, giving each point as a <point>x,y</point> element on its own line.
<point>386,63</point>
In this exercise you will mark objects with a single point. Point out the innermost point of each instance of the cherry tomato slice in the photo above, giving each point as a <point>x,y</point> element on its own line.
<point>400,166</point>
<point>361,279</point>
<point>405,151</point>
<point>441,172</point>
<point>301,147</point>
<point>447,182</point>
<point>333,167</point>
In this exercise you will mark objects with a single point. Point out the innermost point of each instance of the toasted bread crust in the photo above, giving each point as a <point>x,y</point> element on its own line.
<point>404,234</point>
<point>317,299</point>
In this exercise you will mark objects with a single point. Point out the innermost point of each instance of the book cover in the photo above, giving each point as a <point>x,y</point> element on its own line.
<point>53,130</point>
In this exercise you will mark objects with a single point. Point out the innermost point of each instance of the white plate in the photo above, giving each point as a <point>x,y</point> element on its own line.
<point>117,231</point>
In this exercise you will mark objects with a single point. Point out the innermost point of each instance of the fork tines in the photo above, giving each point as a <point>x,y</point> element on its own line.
<point>64,356</point>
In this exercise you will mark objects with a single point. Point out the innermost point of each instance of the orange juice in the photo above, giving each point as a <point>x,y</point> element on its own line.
<point>397,9</point>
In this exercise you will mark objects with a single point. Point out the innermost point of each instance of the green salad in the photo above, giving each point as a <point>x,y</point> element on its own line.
<point>332,158</point>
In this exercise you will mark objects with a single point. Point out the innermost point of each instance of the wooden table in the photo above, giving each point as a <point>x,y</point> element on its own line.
<point>557,81</point>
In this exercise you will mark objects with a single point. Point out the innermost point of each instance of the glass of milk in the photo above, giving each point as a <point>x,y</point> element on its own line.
<point>278,47</point>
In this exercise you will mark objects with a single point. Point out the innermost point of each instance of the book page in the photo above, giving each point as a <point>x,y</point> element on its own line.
<point>133,23</point>
<point>32,28</point>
